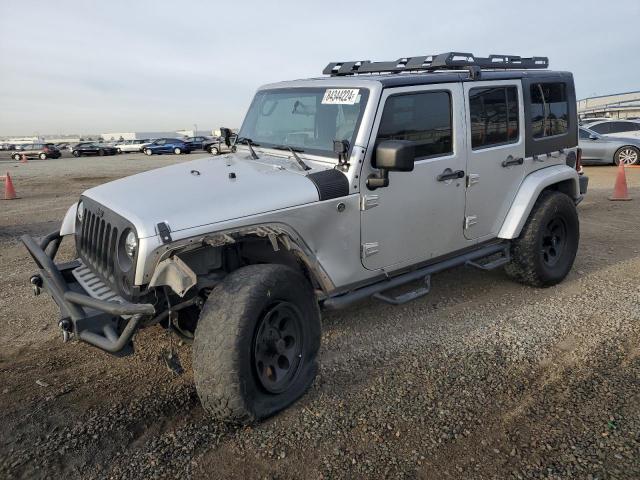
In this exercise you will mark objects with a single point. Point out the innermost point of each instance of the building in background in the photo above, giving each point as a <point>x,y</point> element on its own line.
<point>617,105</point>
<point>115,136</point>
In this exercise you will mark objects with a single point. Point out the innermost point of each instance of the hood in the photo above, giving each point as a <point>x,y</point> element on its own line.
<point>205,191</point>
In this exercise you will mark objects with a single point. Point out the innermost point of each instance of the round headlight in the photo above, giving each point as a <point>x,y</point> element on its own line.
<point>80,211</point>
<point>131,244</point>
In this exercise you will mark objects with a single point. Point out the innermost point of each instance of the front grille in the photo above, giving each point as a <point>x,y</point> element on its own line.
<point>99,241</point>
<point>97,244</point>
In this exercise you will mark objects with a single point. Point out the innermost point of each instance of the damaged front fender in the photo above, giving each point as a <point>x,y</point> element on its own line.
<point>175,274</point>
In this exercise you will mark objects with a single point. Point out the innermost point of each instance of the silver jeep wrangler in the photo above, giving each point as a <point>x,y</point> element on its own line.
<point>342,188</point>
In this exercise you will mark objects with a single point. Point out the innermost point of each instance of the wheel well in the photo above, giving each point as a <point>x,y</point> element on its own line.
<point>566,186</point>
<point>256,250</point>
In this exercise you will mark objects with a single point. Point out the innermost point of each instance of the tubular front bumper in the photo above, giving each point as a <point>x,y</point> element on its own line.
<point>91,320</point>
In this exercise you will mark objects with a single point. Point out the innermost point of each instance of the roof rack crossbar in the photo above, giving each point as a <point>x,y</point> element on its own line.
<point>442,61</point>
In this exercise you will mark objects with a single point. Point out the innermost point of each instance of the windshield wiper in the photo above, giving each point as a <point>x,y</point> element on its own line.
<point>249,143</point>
<point>294,152</point>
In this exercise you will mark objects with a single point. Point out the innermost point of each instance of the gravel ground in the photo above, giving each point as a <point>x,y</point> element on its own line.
<point>483,378</point>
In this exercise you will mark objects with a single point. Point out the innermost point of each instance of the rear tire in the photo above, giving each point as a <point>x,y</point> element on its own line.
<point>75,153</point>
<point>101,153</point>
<point>256,342</point>
<point>119,150</point>
<point>42,156</point>
<point>148,151</point>
<point>177,151</point>
<point>629,155</point>
<point>544,252</point>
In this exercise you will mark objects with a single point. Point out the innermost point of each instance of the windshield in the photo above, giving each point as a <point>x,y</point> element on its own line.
<point>307,119</point>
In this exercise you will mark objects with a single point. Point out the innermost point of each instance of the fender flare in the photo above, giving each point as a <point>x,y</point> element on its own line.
<point>68,226</point>
<point>529,191</point>
<point>279,235</point>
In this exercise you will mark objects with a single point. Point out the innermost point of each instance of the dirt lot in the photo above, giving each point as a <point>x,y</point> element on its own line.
<point>484,378</point>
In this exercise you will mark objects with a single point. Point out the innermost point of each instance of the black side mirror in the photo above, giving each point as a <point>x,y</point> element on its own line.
<point>391,156</point>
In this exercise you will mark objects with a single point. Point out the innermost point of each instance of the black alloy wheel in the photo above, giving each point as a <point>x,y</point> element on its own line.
<point>278,347</point>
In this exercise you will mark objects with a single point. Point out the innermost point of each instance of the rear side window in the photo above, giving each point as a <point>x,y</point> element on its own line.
<point>549,109</point>
<point>494,116</point>
<point>424,118</point>
<point>601,128</point>
<point>617,127</point>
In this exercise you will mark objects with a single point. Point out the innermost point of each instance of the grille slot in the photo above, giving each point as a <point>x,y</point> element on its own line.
<point>98,243</point>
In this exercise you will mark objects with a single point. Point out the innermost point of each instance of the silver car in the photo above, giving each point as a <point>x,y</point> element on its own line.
<point>598,148</point>
<point>341,189</point>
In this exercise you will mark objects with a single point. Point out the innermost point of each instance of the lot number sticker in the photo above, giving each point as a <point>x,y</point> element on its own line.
<point>340,96</point>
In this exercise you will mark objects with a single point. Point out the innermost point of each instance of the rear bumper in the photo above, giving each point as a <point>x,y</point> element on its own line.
<point>91,320</point>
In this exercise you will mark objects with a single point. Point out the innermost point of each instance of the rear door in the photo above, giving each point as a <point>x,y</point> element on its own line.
<point>495,160</point>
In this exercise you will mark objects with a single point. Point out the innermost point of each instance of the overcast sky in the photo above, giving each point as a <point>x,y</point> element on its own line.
<point>111,65</point>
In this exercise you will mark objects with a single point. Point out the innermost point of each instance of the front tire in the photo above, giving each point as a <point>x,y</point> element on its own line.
<point>75,153</point>
<point>119,150</point>
<point>214,151</point>
<point>544,252</point>
<point>628,155</point>
<point>17,157</point>
<point>42,156</point>
<point>256,343</point>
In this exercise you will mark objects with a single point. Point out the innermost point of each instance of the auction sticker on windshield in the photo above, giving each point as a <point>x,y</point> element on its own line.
<point>340,96</point>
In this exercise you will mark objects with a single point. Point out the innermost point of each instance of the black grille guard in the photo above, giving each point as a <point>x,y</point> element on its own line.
<point>71,303</point>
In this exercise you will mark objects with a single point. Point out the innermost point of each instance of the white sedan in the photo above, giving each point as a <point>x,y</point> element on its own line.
<point>133,145</point>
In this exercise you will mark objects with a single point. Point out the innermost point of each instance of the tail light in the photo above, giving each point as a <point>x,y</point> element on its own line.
<point>579,161</point>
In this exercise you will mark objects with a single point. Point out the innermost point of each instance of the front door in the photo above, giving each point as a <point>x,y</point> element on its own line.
<point>420,214</point>
<point>495,166</point>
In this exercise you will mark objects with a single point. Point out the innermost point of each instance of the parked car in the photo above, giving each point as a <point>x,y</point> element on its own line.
<point>7,146</point>
<point>217,146</point>
<point>598,148</point>
<point>64,146</point>
<point>38,150</point>
<point>167,145</point>
<point>133,145</point>
<point>91,148</point>
<point>362,182</point>
<point>615,128</point>
<point>197,143</point>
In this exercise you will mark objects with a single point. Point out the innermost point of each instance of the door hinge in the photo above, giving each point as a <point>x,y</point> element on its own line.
<point>470,221</point>
<point>472,179</point>
<point>369,249</point>
<point>369,201</point>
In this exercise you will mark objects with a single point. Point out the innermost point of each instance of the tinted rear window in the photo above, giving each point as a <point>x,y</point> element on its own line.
<point>494,116</point>
<point>549,109</point>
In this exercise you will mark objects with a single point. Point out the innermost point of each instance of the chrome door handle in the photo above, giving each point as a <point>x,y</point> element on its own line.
<point>448,174</point>
<point>510,161</point>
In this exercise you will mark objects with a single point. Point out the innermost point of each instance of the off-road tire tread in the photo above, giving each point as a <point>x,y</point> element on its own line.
<point>523,249</point>
<point>219,335</point>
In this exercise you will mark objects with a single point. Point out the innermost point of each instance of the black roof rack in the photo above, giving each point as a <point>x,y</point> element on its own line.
<point>442,61</point>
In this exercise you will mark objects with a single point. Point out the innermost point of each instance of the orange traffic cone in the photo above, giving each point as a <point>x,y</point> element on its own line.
<point>9,191</point>
<point>620,192</point>
<point>24,159</point>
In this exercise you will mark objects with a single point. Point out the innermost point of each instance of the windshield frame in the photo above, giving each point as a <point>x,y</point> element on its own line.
<point>365,93</point>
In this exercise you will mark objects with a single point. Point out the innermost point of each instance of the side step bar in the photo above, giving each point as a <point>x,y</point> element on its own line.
<point>376,290</point>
